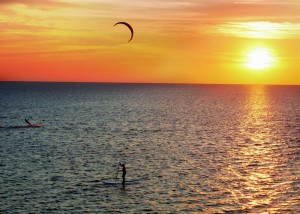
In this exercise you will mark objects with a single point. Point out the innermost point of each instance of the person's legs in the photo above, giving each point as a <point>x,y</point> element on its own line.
<point>123,177</point>
<point>123,181</point>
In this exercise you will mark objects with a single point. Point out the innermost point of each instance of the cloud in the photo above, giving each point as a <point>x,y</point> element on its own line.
<point>222,9</point>
<point>30,2</point>
<point>37,3</point>
<point>246,9</point>
<point>261,30</point>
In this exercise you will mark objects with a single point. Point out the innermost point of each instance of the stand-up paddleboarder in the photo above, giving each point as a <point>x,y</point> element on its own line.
<point>27,122</point>
<point>124,172</point>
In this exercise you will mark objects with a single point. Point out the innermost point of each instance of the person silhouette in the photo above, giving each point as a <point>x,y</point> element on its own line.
<point>27,122</point>
<point>124,173</point>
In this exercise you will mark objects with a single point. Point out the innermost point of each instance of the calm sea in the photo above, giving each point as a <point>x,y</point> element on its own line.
<point>193,148</point>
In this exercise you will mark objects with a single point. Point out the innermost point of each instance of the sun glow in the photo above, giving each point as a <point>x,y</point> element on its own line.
<point>259,59</point>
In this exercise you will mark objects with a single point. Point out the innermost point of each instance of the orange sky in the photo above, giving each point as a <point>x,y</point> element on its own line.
<point>175,41</point>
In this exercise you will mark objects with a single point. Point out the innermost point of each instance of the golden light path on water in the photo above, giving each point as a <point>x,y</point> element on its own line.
<point>243,168</point>
<point>259,166</point>
<point>259,181</point>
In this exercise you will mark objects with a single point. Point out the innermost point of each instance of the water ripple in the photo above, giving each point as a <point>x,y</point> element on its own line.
<point>210,149</point>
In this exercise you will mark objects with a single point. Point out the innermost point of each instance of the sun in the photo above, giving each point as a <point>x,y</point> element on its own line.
<point>259,59</point>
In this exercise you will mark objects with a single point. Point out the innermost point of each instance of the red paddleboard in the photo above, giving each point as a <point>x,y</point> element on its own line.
<point>35,125</point>
<point>32,125</point>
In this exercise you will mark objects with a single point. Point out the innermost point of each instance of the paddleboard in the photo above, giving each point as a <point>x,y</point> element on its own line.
<point>120,182</point>
<point>34,125</point>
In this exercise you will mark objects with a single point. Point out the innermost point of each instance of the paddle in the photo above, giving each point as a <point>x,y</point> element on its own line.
<point>117,173</point>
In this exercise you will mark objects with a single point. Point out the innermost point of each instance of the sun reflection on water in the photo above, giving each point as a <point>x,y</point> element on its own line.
<point>256,160</point>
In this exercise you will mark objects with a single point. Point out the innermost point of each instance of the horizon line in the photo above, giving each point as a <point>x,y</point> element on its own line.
<point>144,83</point>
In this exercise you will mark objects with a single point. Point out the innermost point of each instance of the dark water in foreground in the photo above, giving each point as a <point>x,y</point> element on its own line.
<point>194,148</point>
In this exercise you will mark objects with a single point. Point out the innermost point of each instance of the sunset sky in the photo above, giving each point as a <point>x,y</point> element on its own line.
<point>175,41</point>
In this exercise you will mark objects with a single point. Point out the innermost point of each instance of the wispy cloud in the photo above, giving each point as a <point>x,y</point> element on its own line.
<point>35,2</point>
<point>259,30</point>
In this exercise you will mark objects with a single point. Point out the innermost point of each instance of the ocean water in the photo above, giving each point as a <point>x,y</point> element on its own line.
<point>193,148</point>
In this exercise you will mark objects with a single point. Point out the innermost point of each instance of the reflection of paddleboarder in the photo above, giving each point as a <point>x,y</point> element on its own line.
<point>27,122</point>
<point>124,172</point>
